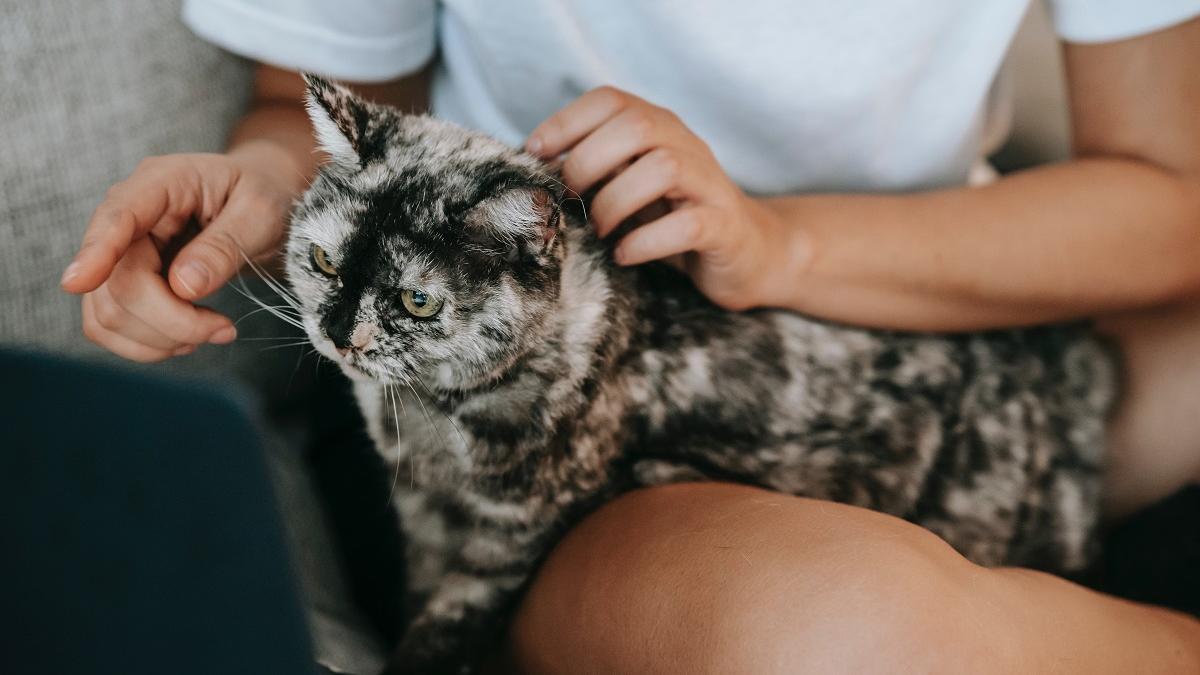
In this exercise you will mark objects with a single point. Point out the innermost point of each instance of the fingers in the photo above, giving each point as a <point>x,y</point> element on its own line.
<point>682,231</point>
<point>660,174</point>
<point>138,287</point>
<point>109,315</point>
<point>568,126</point>
<point>621,139</point>
<point>151,198</point>
<point>117,343</point>
<point>137,316</point>
<point>250,224</point>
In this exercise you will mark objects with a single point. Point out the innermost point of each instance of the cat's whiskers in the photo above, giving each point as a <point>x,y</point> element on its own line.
<point>428,417</point>
<point>299,343</point>
<point>390,392</point>
<point>280,314</point>
<point>448,418</point>
<point>271,282</point>
<point>282,308</point>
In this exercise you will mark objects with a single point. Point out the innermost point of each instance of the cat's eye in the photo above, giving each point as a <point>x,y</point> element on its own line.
<point>320,261</point>
<point>420,304</point>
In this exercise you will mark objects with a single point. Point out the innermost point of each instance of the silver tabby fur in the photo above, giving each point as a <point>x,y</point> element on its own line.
<point>553,380</point>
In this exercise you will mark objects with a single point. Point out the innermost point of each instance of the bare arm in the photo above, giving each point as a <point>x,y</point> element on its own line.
<point>1117,227</point>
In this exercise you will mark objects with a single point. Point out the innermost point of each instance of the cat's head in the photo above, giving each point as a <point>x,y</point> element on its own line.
<point>422,251</point>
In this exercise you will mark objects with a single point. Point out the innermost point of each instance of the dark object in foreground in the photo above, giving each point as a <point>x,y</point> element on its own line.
<point>1154,557</point>
<point>139,531</point>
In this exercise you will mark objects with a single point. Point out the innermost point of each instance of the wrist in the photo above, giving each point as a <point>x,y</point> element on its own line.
<point>270,160</point>
<point>789,249</point>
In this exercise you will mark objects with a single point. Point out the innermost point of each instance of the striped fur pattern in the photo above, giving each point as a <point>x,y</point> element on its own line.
<point>552,380</point>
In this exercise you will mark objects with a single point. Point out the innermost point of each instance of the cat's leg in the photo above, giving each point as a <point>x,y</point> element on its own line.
<point>467,610</point>
<point>432,533</point>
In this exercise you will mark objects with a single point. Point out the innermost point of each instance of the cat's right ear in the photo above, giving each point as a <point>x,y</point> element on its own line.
<point>340,120</point>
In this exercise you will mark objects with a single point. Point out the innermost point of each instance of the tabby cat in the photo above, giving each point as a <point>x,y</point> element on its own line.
<point>516,378</point>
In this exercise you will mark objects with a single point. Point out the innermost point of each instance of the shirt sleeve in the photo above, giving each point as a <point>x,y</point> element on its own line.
<point>357,40</point>
<point>1111,20</point>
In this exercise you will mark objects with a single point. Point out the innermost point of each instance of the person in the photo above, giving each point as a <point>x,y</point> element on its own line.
<point>813,157</point>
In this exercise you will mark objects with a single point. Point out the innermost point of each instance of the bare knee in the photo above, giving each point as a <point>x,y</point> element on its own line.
<point>1155,433</point>
<point>718,578</point>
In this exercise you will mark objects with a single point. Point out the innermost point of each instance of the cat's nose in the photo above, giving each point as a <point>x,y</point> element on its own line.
<point>360,340</point>
<point>363,335</point>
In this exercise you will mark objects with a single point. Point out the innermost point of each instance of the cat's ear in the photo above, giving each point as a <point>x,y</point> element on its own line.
<point>340,120</point>
<point>514,222</point>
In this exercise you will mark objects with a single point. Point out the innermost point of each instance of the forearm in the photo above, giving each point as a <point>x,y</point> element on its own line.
<point>276,137</point>
<point>1057,626</point>
<point>1060,242</point>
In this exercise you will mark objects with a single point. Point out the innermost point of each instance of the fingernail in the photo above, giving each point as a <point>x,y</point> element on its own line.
<point>193,276</point>
<point>225,335</point>
<point>70,273</point>
<point>184,351</point>
<point>534,145</point>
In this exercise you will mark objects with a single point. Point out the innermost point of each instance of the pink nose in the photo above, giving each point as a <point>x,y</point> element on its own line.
<point>363,335</point>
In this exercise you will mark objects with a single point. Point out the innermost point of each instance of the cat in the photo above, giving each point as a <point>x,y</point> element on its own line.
<point>515,378</point>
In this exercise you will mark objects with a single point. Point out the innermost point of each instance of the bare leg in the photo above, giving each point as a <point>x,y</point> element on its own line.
<point>713,578</point>
<point>1155,435</point>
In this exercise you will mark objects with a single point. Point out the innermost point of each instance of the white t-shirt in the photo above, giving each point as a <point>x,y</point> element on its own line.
<point>792,95</point>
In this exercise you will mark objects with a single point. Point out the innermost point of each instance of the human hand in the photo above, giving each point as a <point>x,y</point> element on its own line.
<point>726,241</point>
<point>129,306</point>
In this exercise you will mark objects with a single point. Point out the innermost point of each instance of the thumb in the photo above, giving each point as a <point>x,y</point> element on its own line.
<point>216,254</point>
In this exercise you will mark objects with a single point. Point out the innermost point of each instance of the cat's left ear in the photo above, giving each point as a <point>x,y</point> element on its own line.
<point>549,215</point>
<point>340,119</point>
<point>514,222</point>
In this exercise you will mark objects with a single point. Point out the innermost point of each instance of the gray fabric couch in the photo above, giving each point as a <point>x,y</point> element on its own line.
<point>90,88</point>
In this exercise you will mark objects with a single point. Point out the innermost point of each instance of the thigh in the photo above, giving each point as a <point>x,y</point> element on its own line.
<point>1155,433</point>
<point>710,577</point>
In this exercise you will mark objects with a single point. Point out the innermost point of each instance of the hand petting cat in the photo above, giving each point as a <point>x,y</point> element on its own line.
<point>130,306</point>
<point>732,246</point>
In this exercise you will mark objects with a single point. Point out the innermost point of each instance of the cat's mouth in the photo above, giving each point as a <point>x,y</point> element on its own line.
<point>361,366</point>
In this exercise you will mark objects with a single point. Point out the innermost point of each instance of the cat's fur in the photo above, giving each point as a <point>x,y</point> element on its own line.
<point>553,380</point>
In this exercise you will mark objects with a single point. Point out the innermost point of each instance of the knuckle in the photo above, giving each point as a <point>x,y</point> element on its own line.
<point>643,125</point>
<point>121,284</point>
<point>668,164</point>
<point>106,314</point>
<point>91,330</point>
<point>668,116</point>
<point>611,97</point>
<point>221,249</point>
<point>106,217</point>
<point>692,227</point>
